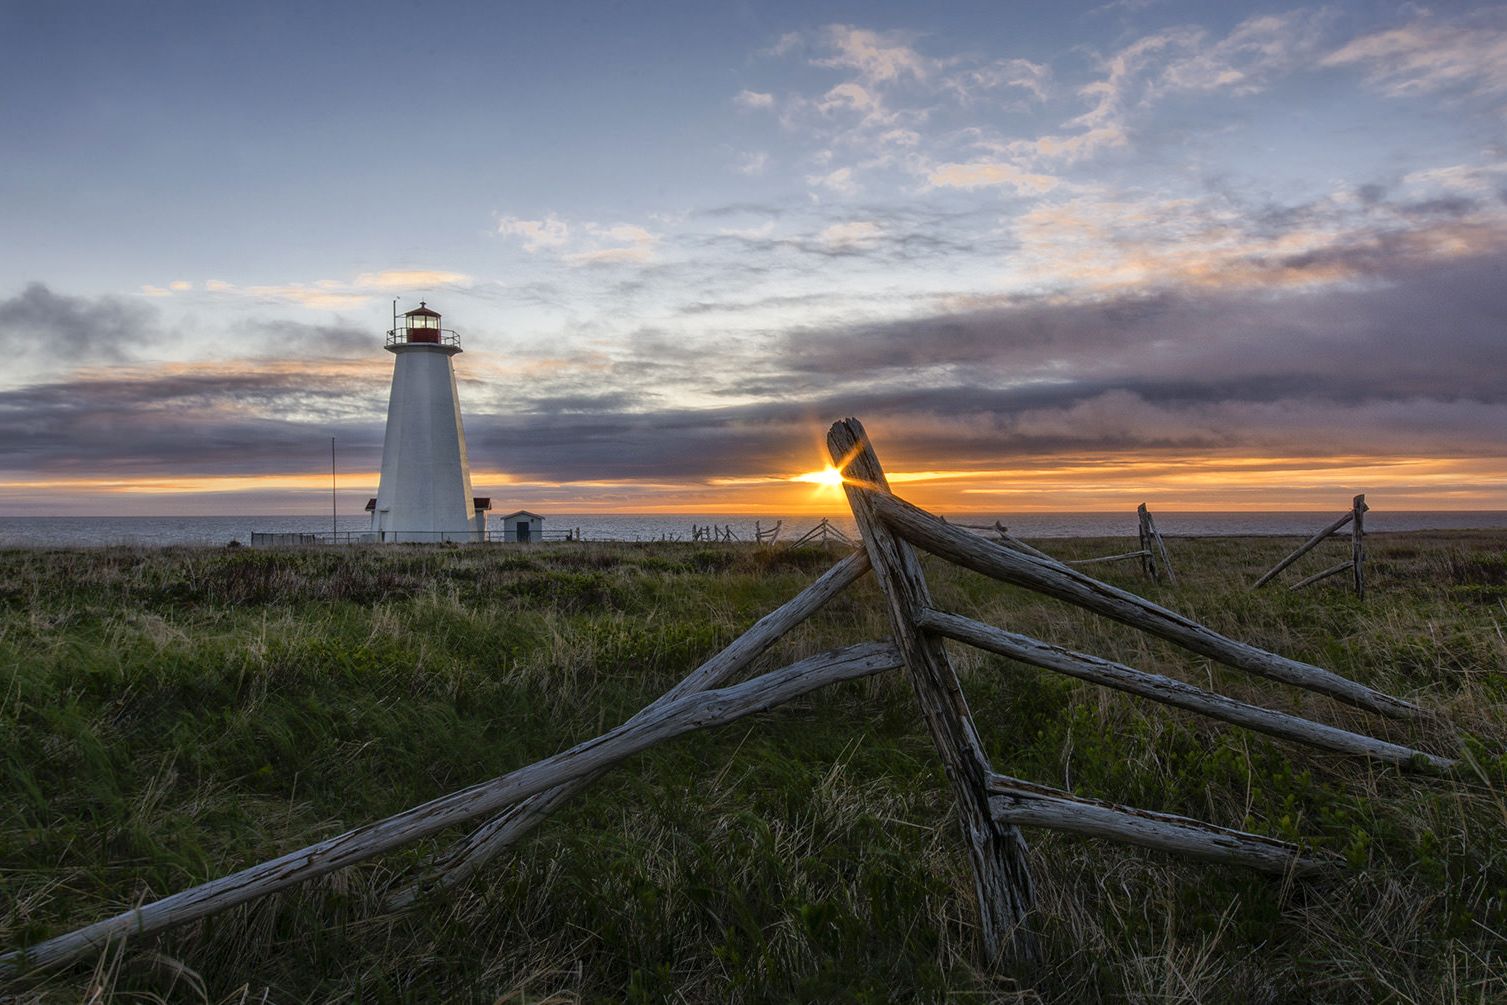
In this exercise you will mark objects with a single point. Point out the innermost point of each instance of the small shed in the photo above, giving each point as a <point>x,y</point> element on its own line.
<point>523,527</point>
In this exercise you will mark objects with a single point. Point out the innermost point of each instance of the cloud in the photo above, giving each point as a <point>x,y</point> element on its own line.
<point>197,419</point>
<point>1471,179</point>
<point>338,341</point>
<point>1244,61</point>
<point>1342,345</point>
<point>759,232</point>
<point>1096,240</point>
<point>973,83</point>
<point>876,57</point>
<point>851,233</point>
<point>839,181</point>
<point>324,294</point>
<point>849,98</point>
<point>618,244</point>
<point>1181,59</point>
<point>74,329</point>
<point>585,242</point>
<point>1427,57</point>
<point>550,232</point>
<point>753,99</point>
<point>408,279</point>
<point>981,174</point>
<point>752,163</point>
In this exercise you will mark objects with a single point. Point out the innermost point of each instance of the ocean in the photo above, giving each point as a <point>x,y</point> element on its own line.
<point>159,531</point>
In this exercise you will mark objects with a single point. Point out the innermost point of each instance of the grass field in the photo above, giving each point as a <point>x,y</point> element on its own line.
<point>167,717</point>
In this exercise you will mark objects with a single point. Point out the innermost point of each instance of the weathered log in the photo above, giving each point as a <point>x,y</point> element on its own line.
<point>686,714</point>
<point>1333,570</point>
<point>1011,541</point>
<point>1108,558</point>
<point>1004,535</point>
<point>1001,873</point>
<point>1358,510</point>
<point>496,835</point>
<point>1169,691</point>
<point>1303,549</point>
<point>1056,580</point>
<point>1030,805</point>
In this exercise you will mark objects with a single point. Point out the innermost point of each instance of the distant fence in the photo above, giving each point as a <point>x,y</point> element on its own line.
<point>1155,562</point>
<point>1355,565</point>
<point>823,534</point>
<point>768,535</point>
<point>991,805</point>
<point>346,537</point>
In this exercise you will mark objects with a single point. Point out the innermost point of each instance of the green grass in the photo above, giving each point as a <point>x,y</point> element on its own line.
<point>167,717</point>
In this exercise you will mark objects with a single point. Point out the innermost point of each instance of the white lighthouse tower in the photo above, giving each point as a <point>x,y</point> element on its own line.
<point>425,488</point>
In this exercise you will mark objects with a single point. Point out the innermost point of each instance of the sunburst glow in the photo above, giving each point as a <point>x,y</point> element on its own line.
<point>828,478</point>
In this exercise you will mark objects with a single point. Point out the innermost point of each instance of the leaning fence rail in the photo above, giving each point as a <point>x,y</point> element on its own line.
<point>991,805</point>
<point>1356,564</point>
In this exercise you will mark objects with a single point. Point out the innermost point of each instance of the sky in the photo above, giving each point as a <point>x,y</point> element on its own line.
<point>1056,257</point>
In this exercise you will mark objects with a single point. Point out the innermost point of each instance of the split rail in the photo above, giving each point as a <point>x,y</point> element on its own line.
<point>1356,565</point>
<point>991,806</point>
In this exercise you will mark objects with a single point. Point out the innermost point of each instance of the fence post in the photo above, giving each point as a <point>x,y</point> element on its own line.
<point>1001,876</point>
<point>1358,509</point>
<point>1143,533</point>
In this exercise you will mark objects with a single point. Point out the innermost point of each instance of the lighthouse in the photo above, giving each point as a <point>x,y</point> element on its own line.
<point>425,489</point>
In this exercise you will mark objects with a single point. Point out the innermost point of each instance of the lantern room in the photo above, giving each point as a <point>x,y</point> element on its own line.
<point>421,324</point>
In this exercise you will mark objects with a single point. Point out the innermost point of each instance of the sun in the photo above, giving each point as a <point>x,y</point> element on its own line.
<point>828,478</point>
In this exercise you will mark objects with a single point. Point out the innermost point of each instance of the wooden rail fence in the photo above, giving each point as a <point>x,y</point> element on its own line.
<point>1356,565</point>
<point>991,806</point>
<point>1152,551</point>
<point>824,533</point>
